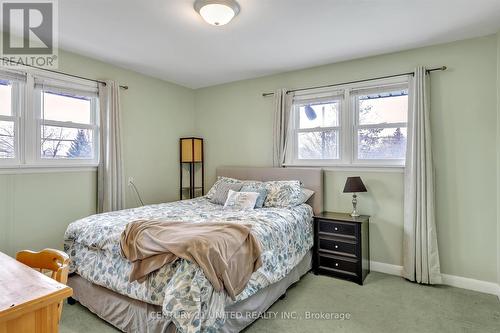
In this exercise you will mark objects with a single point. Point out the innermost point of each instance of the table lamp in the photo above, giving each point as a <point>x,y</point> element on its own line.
<point>354,185</point>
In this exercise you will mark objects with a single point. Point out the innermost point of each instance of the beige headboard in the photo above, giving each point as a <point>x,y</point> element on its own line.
<point>311,178</point>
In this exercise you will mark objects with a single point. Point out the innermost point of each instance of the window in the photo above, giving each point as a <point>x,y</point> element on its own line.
<point>357,125</point>
<point>57,127</point>
<point>380,125</point>
<point>10,99</point>
<point>318,130</point>
<point>8,121</point>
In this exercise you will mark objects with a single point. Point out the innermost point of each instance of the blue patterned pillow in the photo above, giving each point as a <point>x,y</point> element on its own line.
<point>283,193</point>
<point>258,188</point>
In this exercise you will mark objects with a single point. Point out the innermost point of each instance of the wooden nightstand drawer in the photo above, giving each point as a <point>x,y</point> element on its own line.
<point>340,228</point>
<point>327,262</point>
<point>342,247</point>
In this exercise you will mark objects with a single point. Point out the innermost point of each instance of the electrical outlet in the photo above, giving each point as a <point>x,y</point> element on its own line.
<point>131,180</point>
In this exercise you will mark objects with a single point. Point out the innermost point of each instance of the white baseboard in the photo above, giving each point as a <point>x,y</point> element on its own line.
<point>386,268</point>
<point>449,280</point>
<point>471,284</point>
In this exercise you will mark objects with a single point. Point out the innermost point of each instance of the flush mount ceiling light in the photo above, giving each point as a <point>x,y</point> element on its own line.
<point>217,12</point>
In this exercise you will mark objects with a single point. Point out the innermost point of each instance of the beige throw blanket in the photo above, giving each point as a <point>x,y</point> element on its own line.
<point>228,253</point>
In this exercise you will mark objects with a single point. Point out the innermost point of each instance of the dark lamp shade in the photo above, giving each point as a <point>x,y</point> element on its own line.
<point>354,185</point>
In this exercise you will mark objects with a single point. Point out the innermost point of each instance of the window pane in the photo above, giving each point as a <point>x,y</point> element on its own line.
<point>67,143</point>
<point>324,114</point>
<point>5,98</point>
<point>61,107</point>
<point>387,107</point>
<point>382,143</point>
<point>7,149</point>
<point>318,145</point>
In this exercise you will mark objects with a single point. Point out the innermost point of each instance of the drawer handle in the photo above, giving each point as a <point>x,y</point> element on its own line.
<point>336,264</point>
<point>335,228</point>
<point>336,246</point>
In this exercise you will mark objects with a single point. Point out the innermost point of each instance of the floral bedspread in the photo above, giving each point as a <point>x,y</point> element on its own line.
<point>186,296</point>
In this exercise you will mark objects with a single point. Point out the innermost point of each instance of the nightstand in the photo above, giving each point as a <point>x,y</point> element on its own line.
<point>341,246</point>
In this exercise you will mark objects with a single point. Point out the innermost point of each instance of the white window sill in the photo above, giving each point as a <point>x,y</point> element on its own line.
<point>351,167</point>
<point>24,169</point>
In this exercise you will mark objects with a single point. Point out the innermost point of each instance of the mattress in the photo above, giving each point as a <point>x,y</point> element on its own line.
<point>181,289</point>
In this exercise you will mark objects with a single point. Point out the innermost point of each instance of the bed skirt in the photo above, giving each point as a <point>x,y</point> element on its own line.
<point>131,315</point>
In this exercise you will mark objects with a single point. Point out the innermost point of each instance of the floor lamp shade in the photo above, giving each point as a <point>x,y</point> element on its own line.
<point>192,168</point>
<point>191,150</point>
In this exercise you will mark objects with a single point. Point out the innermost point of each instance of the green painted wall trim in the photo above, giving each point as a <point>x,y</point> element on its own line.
<point>236,122</point>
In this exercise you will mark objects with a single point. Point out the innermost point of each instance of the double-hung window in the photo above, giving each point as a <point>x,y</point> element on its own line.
<point>380,125</point>
<point>66,123</point>
<point>357,124</point>
<point>11,98</point>
<point>48,121</point>
<point>318,129</point>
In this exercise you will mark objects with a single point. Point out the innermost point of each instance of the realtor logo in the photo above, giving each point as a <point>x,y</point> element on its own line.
<point>29,32</point>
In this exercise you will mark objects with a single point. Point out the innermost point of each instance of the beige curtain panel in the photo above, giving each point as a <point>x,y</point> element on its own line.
<point>110,177</point>
<point>281,125</point>
<point>421,256</point>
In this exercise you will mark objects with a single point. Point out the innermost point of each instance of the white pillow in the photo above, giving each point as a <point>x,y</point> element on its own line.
<point>241,200</point>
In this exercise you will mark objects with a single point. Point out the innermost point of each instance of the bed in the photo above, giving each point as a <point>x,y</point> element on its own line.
<point>178,296</point>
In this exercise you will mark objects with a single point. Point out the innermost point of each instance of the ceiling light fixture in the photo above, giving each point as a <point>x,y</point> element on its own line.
<point>217,12</point>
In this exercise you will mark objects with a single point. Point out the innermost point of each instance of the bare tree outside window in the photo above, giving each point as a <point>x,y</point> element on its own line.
<point>318,133</point>
<point>61,142</point>
<point>382,142</point>
<point>7,148</point>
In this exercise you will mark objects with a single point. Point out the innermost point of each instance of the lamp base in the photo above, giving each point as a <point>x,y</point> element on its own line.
<point>354,204</point>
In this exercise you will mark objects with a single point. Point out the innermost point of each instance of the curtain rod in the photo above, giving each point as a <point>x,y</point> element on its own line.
<point>57,72</point>
<point>442,68</point>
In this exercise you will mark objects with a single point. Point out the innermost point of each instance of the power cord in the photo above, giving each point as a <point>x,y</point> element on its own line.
<point>131,183</point>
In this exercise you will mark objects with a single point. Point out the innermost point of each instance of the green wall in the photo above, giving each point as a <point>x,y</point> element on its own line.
<point>498,156</point>
<point>236,122</point>
<point>36,208</point>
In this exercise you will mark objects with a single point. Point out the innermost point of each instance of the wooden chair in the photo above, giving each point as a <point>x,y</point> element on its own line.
<point>48,259</point>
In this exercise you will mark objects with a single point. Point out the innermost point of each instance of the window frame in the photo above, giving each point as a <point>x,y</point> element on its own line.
<point>29,122</point>
<point>296,129</point>
<point>39,122</point>
<point>349,124</point>
<point>356,126</point>
<point>17,96</point>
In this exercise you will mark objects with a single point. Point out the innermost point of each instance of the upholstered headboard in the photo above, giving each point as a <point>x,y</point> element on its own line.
<point>311,178</point>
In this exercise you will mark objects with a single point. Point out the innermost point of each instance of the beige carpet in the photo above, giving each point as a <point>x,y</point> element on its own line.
<point>384,304</point>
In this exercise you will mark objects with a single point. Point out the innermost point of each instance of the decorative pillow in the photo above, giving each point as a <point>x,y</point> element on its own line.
<point>241,200</point>
<point>220,195</point>
<point>256,183</point>
<point>220,180</point>
<point>258,188</point>
<point>283,193</point>
<point>306,194</point>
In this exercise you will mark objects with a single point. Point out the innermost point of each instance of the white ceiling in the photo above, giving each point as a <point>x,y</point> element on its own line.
<point>169,40</point>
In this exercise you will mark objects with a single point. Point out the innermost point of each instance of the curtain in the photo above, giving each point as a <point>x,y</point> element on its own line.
<point>110,177</point>
<point>281,125</point>
<point>420,257</point>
